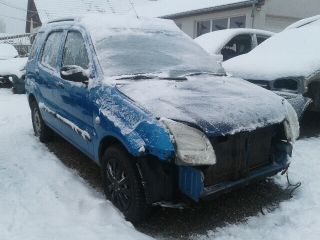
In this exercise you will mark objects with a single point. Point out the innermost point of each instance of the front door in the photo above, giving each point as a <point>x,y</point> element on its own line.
<point>73,97</point>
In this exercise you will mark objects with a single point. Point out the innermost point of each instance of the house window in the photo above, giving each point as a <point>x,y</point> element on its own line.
<point>219,24</point>
<point>203,27</point>
<point>238,22</point>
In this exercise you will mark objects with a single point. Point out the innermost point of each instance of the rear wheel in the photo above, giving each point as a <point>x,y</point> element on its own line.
<point>41,130</point>
<point>122,183</point>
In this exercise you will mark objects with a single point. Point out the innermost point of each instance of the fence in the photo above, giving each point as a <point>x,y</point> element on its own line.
<point>21,42</point>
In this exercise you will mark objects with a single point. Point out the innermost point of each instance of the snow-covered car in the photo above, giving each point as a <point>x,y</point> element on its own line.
<point>288,64</point>
<point>303,22</point>
<point>229,43</point>
<point>12,69</point>
<point>152,108</point>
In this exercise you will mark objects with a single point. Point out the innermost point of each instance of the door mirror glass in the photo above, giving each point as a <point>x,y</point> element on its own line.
<point>75,74</point>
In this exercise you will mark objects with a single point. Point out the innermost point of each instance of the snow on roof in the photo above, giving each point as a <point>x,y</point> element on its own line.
<point>213,42</point>
<point>304,22</point>
<point>162,8</point>
<point>291,53</point>
<point>7,51</point>
<point>102,25</point>
<point>49,10</point>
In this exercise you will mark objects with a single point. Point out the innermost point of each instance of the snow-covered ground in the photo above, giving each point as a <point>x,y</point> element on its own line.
<point>40,198</point>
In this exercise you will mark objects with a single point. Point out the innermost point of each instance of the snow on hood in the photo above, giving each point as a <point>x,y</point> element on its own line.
<point>7,51</point>
<point>213,42</point>
<point>291,53</point>
<point>13,66</point>
<point>218,105</point>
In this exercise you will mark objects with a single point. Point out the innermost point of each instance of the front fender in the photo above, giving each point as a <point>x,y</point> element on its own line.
<point>139,131</point>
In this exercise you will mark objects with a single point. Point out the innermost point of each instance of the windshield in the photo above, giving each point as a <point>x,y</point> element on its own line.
<point>156,52</point>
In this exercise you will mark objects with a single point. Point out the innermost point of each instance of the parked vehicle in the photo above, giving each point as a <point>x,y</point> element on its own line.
<point>149,105</point>
<point>229,43</point>
<point>11,69</point>
<point>288,64</point>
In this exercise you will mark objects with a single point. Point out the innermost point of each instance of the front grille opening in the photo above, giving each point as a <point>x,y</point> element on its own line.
<point>239,154</point>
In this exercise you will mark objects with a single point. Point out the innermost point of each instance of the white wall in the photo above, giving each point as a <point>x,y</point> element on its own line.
<point>188,24</point>
<point>274,15</point>
<point>2,26</point>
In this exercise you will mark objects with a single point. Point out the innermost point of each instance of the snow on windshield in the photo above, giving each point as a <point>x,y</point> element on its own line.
<point>292,53</point>
<point>129,45</point>
<point>7,51</point>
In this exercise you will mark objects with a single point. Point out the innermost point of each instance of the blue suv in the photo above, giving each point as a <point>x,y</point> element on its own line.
<point>148,105</point>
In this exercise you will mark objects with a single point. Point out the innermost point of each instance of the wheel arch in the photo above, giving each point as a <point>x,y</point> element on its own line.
<point>32,99</point>
<point>106,142</point>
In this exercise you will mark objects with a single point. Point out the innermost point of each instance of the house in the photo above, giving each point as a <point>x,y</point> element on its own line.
<point>196,17</point>
<point>42,11</point>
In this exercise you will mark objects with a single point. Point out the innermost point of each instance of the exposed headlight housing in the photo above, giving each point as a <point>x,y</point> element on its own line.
<point>291,123</point>
<point>193,148</point>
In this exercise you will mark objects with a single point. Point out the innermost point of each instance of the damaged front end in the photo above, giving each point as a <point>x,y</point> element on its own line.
<point>231,161</point>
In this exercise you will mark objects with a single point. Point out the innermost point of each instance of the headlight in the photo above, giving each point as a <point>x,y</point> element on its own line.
<point>192,146</point>
<point>291,123</point>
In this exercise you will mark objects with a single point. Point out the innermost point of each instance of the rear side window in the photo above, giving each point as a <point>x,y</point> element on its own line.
<point>51,50</point>
<point>261,38</point>
<point>75,52</point>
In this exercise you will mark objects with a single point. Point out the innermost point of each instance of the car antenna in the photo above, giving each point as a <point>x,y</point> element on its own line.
<point>134,9</point>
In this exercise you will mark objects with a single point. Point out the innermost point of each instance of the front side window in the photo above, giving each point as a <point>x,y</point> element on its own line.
<point>75,52</point>
<point>51,50</point>
<point>238,22</point>
<point>219,24</point>
<point>203,27</point>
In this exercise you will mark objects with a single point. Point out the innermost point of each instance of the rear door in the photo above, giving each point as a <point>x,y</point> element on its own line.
<point>73,97</point>
<point>46,75</point>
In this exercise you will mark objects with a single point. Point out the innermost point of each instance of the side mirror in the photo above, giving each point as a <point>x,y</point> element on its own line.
<point>75,74</point>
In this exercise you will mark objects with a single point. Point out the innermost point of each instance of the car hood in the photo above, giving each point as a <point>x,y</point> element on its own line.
<point>13,66</point>
<point>217,105</point>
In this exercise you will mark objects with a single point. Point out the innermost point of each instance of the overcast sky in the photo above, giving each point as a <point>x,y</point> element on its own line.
<point>14,18</point>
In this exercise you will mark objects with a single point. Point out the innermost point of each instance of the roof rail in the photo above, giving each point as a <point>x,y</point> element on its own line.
<point>67,19</point>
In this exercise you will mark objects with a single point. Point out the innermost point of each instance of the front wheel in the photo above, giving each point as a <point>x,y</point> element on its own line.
<point>122,183</point>
<point>41,130</point>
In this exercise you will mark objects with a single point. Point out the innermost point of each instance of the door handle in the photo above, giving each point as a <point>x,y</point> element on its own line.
<point>60,84</point>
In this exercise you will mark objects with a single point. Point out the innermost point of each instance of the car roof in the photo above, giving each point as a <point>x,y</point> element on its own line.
<point>101,24</point>
<point>303,22</point>
<point>213,42</point>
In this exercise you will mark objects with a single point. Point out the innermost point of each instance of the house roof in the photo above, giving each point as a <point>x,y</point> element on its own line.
<point>180,8</point>
<point>49,10</point>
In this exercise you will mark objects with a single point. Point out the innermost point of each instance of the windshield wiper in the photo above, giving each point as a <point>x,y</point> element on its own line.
<point>137,77</point>
<point>204,73</point>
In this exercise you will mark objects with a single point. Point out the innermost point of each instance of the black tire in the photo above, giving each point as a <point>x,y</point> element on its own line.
<point>41,130</point>
<point>122,183</point>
